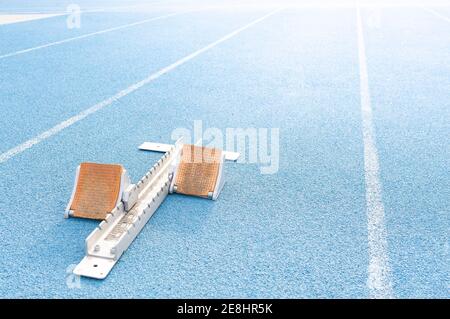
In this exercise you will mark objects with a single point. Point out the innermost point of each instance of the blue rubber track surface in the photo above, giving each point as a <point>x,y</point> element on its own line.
<point>299,233</point>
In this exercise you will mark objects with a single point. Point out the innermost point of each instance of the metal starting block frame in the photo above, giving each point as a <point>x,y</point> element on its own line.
<point>106,244</point>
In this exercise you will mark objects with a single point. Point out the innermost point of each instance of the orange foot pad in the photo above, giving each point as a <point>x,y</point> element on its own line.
<point>97,190</point>
<point>198,171</point>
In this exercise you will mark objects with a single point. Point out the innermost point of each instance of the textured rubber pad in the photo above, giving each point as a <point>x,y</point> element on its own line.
<point>97,191</point>
<point>198,170</point>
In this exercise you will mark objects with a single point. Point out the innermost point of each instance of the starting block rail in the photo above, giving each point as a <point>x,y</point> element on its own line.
<point>162,147</point>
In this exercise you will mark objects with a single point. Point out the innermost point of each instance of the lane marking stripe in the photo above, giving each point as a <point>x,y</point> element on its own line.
<point>65,124</point>
<point>437,14</point>
<point>11,54</point>
<point>11,18</point>
<point>379,272</point>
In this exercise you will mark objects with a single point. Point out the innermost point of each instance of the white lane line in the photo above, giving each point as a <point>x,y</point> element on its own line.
<point>437,14</point>
<point>7,55</point>
<point>16,17</point>
<point>65,124</point>
<point>379,273</point>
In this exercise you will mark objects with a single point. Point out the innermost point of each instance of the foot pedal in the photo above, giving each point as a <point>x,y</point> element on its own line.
<point>199,172</point>
<point>97,191</point>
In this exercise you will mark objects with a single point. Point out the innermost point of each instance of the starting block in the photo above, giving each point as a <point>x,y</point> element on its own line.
<point>104,191</point>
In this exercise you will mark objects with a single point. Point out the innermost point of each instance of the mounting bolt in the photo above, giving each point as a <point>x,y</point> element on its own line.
<point>97,248</point>
<point>113,250</point>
